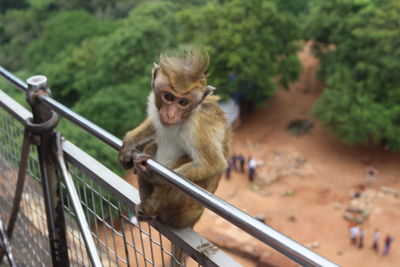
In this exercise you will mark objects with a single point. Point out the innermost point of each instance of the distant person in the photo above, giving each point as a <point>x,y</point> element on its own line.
<point>234,159</point>
<point>241,161</point>
<point>361,238</point>
<point>375,242</point>
<point>388,242</point>
<point>228,170</point>
<point>359,190</point>
<point>252,168</point>
<point>354,233</point>
<point>371,175</point>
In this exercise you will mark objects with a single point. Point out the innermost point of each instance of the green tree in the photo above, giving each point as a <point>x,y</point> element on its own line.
<point>293,6</point>
<point>62,32</point>
<point>111,9</point>
<point>17,29</point>
<point>359,48</point>
<point>117,108</point>
<point>252,45</point>
<point>11,4</point>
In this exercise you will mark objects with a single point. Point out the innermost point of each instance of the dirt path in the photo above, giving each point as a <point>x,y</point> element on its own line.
<point>318,188</point>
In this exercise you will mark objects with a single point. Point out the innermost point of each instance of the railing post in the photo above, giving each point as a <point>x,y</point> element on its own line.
<point>42,125</point>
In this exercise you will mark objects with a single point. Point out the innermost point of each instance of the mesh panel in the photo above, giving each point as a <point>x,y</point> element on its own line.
<point>120,239</point>
<point>30,239</point>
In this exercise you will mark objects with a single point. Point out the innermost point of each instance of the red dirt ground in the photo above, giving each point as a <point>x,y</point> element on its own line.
<point>322,185</point>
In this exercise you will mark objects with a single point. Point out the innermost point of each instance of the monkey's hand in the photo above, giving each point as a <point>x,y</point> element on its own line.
<point>140,164</point>
<point>125,156</point>
<point>135,139</point>
<point>141,169</point>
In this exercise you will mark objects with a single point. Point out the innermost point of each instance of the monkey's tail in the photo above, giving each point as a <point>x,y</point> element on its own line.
<point>178,257</point>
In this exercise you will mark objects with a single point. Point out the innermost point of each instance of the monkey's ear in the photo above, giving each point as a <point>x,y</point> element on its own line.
<point>154,73</point>
<point>209,90</point>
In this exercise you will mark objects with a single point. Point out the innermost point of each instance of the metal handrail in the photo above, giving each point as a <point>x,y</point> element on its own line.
<point>255,228</point>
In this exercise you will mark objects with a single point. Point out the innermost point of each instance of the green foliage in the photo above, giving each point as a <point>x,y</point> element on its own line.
<point>251,45</point>
<point>34,22</point>
<point>359,48</point>
<point>62,32</point>
<point>91,145</point>
<point>76,4</point>
<point>14,92</point>
<point>293,6</point>
<point>101,8</point>
<point>11,4</point>
<point>118,108</point>
<point>40,5</point>
<point>17,29</point>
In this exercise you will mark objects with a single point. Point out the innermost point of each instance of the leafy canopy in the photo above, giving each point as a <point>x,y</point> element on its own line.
<point>359,47</point>
<point>62,32</point>
<point>251,45</point>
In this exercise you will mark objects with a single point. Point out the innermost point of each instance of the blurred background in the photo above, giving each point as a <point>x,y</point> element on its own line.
<point>312,89</point>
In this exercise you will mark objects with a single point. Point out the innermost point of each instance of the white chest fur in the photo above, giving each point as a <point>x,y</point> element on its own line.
<point>170,146</point>
<point>172,142</point>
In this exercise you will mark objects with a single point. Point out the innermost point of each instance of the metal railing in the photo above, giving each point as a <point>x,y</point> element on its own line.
<point>102,196</point>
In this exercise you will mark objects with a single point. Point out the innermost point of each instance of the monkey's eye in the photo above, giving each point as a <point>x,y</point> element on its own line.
<point>169,97</point>
<point>183,102</point>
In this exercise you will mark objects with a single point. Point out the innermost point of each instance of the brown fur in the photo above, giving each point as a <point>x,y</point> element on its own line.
<point>171,205</point>
<point>186,73</point>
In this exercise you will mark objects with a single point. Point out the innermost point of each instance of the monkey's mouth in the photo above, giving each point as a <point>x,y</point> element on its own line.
<point>166,124</point>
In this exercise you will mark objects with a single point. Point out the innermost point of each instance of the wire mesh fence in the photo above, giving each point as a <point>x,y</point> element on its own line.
<point>30,240</point>
<point>120,239</point>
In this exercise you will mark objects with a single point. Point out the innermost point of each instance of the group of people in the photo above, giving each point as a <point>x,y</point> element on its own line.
<point>357,234</point>
<point>237,163</point>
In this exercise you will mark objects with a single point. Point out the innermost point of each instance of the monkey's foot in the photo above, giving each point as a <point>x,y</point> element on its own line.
<point>141,215</point>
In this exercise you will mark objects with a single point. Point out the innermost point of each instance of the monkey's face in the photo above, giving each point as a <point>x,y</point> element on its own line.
<point>173,107</point>
<point>174,101</point>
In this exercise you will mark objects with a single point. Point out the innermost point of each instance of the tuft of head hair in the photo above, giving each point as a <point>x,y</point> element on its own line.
<point>188,71</point>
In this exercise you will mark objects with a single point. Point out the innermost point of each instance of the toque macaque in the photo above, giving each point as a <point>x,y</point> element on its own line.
<point>185,131</point>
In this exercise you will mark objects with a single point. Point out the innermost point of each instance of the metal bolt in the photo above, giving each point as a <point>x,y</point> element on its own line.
<point>37,82</point>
